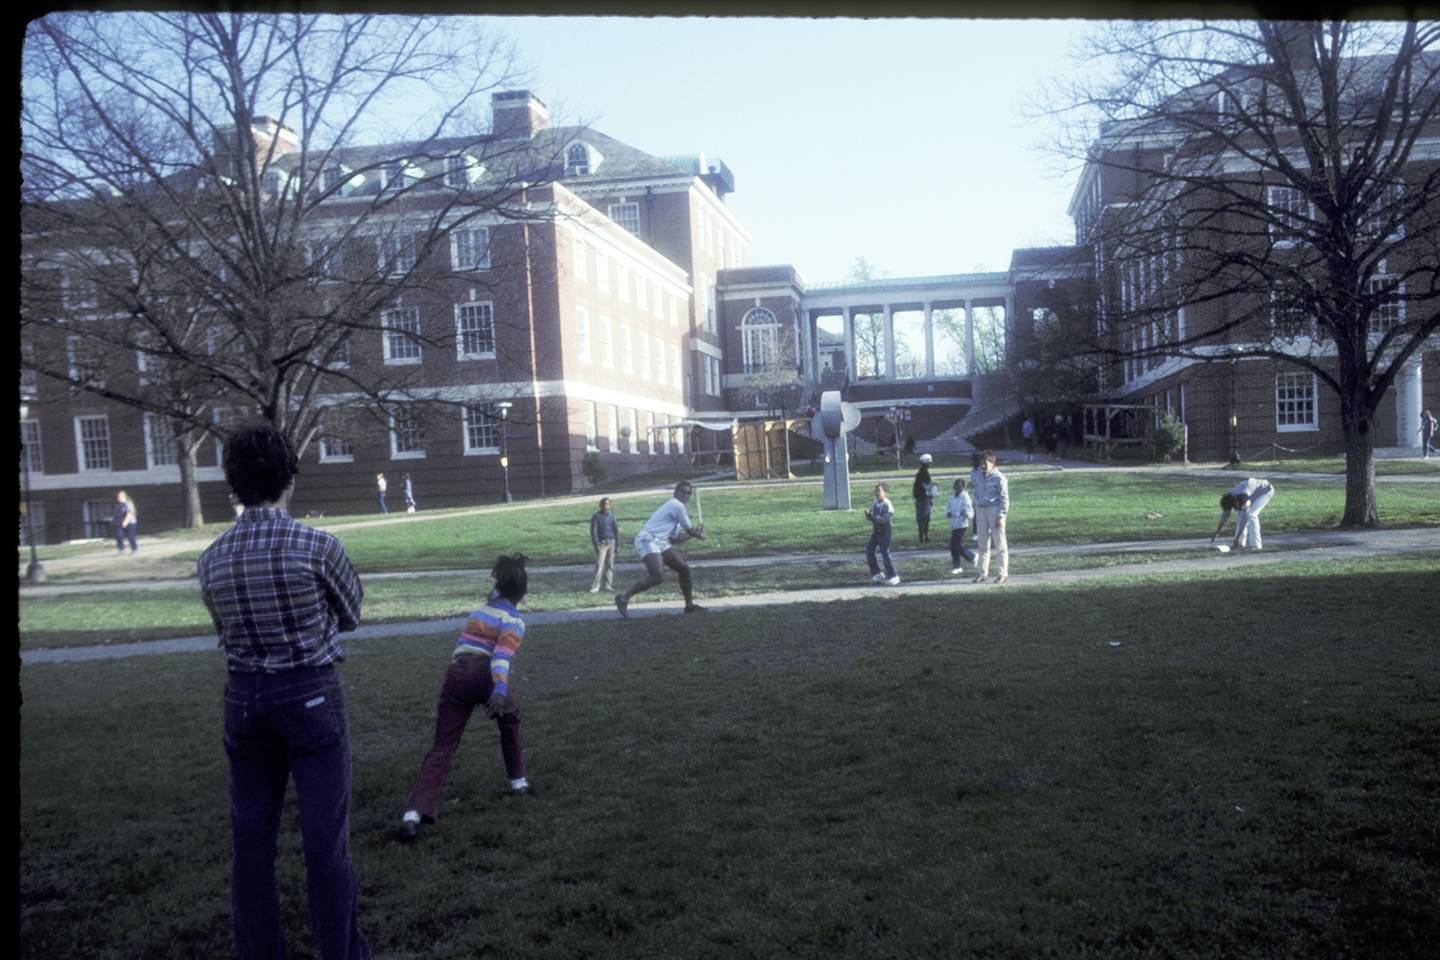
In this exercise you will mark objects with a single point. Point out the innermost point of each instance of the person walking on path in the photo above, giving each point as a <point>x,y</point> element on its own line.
<point>881,515</point>
<point>380,487</point>
<point>959,510</point>
<point>125,521</point>
<point>408,488</point>
<point>604,534</point>
<point>1428,425</point>
<point>1249,497</point>
<point>1027,430</point>
<point>279,593</point>
<point>924,491</point>
<point>478,676</point>
<point>655,542</point>
<point>992,502</point>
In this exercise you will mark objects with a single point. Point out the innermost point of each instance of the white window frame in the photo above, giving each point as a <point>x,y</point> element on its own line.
<point>77,352</point>
<point>409,426</point>
<point>627,359</point>
<point>759,338</point>
<point>642,354</point>
<point>481,418</point>
<point>642,293</point>
<point>1381,319</point>
<point>336,449</point>
<point>613,428</point>
<point>470,249</point>
<point>579,255</point>
<point>461,170</point>
<point>83,463</point>
<point>1286,199</point>
<point>606,342</point>
<point>1391,194</point>
<point>657,301</point>
<point>592,426</point>
<point>34,448</point>
<point>582,333</point>
<point>626,215</point>
<point>665,436</point>
<point>622,282</point>
<point>153,443</point>
<point>633,422</point>
<point>394,338</point>
<point>96,518</point>
<point>398,254</point>
<point>650,432</point>
<point>674,310</point>
<point>577,160</point>
<point>602,272</point>
<point>662,374</point>
<point>1289,399</point>
<point>486,314</point>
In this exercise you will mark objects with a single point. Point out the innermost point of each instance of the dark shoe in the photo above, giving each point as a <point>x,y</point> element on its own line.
<point>622,605</point>
<point>694,608</point>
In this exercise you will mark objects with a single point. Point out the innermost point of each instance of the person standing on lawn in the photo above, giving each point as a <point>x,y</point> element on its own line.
<point>1428,425</point>
<point>408,488</point>
<point>992,502</point>
<point>381,485</point>
<point>655,542</point>
<point>125,522</point>
<point>279,593</point>
<point>924,490</point>
<point>959,510</point>
<point>1249,497</point>
<point>604,534</point>
<point>1027,430</point>
<point>881,514</point>
<point>478,676</point>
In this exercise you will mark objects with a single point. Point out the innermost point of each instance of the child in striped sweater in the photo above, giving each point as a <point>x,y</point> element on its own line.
<point>479,675</point>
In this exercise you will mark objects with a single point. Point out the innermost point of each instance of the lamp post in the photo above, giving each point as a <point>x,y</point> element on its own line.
<point>35,572</point>
<point>504,407</point>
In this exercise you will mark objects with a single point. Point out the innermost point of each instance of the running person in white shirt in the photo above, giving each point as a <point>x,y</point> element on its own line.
<point>655,543</point>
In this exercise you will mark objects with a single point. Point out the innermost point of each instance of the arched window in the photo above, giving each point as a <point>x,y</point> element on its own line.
<point>577,160</point>
<point>760,335</point>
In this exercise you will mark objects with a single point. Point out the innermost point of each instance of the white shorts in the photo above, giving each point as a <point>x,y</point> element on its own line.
<point>645,546</point>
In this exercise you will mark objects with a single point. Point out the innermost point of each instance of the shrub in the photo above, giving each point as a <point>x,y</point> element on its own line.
<point>593,469</point>
<point>1169,437</point>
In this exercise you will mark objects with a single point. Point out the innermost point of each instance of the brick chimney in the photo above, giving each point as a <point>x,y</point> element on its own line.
<point>518,115</point>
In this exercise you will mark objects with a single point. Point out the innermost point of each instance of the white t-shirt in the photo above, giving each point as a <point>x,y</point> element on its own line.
<point>666,522</point>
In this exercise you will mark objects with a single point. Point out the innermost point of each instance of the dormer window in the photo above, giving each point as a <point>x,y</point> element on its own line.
<point>581,159</point>
<point>462,170</point>
<point>334,178</point>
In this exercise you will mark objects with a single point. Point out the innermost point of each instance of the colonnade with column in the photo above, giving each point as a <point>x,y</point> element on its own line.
<point>848,313</point>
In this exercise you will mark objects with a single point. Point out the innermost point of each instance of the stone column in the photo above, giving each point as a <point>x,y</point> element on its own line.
<point>929,343</point>
<point>1009,325</point>
<point>889,344</point>
<point>969,341</point>
<point>848,313</point>
<point>1409,398</point>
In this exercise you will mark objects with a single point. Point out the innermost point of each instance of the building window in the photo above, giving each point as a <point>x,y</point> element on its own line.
<point>29,380</point>
<point>397,254</point>
<point>674,310</point>
<point>37,524</point>
<point>622,282</point>
<point>642,293</point>
<point>607,345</point>
<point>657,301</point>
<point>334,179</point>
<point>1291,211</point>
<point>475,330</point>
<point>92,442</point>
<point>336,450</point>
<point>662,376</point>
<point>87,363</point>
<point>402,330</point>
<point>650,433</point>
<point>470,249</point>
<point>1389,309</point>
<point>1386,211</point>
<point>626,215</point>
<point>627,363</point>
<point>339,356</point>
<point>407,438</point>
<point>665,436</point>
<point>1295,405</point>
<point>577,248</point>
<point>675,365</point>
<point>592,427</point>
<point>1288,318</point>
<point>482,429</point>
<point>460,170</point>
<point>712,376</point>
<point>633,423</point>
<point>613,429</point>
<point>161,449</point>
<point>577,160</point>
<point>96,517</point>
<point>582,333</point>
<point>759,339</point>
<point>602,271</point>
<point>642,355</point>
<point>33,452</point>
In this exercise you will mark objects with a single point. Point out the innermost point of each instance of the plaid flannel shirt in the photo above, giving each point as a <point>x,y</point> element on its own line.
<point>279,592</point>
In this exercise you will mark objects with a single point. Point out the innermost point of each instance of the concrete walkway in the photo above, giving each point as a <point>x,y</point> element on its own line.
<point>1284,549</point>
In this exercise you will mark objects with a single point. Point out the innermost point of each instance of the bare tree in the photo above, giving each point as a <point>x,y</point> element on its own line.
<point>1258,192</point>
<point>204,179</point>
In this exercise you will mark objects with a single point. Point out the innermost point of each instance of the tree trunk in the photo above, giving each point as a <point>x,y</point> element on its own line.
<point>191,487</point>
<point>1360,509</point>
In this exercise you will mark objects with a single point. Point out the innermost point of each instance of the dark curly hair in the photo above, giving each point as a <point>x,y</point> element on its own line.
<point>511,580</point>
<point>259,464</point>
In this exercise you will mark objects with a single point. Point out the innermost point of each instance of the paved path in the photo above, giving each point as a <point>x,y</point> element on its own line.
<point>1337,545</point>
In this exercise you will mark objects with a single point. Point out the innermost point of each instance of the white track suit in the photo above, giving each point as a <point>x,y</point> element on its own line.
<point>1247,525</point>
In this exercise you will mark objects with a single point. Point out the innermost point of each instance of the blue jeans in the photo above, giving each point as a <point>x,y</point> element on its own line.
<point>277,725</point>
<point>879,543</point>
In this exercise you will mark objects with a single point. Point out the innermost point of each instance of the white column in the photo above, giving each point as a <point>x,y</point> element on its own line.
<point>1408,400</point>
<point>889,344</point>
<point>929,344</point>
<point>969,341</point>
<point>1009,324</point>
<point>848,314</point>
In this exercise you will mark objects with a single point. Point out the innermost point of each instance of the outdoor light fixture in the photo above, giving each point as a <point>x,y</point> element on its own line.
<point>504,407</point>
<point>35,572</point>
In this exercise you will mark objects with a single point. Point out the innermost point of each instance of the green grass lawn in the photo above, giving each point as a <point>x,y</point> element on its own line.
<point>1229,765</point>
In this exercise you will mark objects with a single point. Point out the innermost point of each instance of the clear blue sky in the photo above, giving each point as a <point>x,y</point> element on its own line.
<point>901,141</point>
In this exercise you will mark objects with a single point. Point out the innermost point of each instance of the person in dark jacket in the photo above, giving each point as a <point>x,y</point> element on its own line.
<point>604,533</point>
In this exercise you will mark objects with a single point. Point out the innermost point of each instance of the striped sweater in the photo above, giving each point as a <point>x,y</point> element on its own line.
<point>495,631</point>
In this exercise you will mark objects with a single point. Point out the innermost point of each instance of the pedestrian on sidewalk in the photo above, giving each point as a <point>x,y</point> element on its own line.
<point>478,676</point>
<point>409,490</point>
<point>881,514</point>
<point>1428,425</point>
<point>604,534</point>
<point>1027,430</point>
<point>125,521</point>
<point>1249,497</point>
<point>279,593</point>
<point>380,487</point>
<point>960,510</point>
<point>924,491</point>
<point>992,502</point>
<point>655,543</point>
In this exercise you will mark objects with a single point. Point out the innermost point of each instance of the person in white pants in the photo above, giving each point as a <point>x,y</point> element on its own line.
<point>1249,497</point>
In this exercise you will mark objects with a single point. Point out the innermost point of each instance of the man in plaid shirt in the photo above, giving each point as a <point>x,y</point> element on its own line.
<point>279,593</point>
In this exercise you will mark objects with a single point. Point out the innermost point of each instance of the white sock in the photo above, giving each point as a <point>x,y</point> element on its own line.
<point>411,816</point>
<point>520,784</point>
